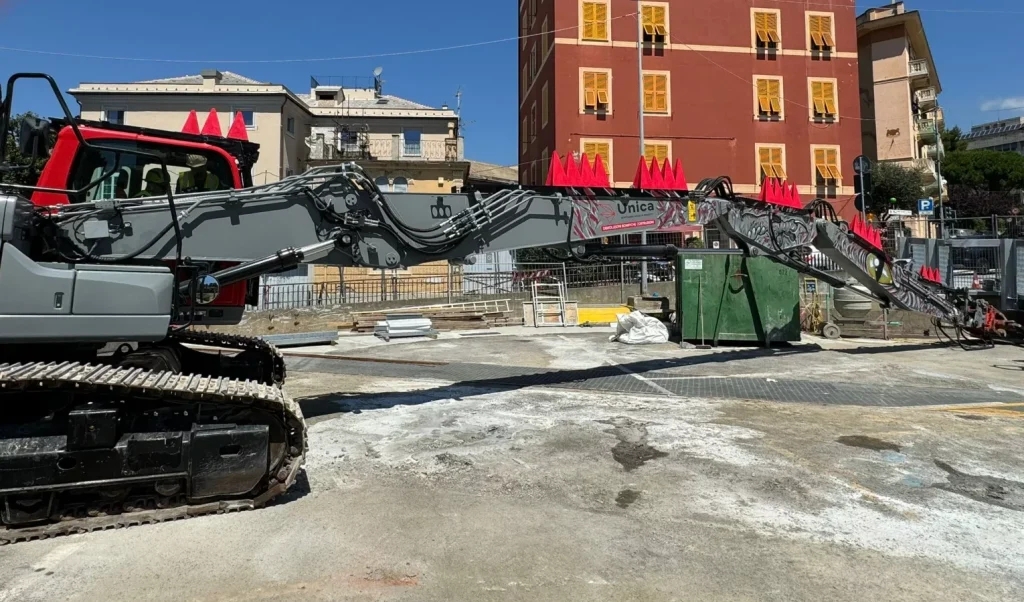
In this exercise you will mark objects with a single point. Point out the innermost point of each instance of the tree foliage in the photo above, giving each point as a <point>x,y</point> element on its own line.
<point>983,182</point>
<point>892,181</point>
<point>952,140</point>
<point>22,172</point>
<point>994,171</point>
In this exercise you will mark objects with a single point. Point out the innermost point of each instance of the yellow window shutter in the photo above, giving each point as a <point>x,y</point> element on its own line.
<point>761,27</point>
<point>764,159</point>
<point>776,156</point>
<point>588,20</point>
<point>648,19</point>
<point>601,149</point>
<point>601,18</point>
<point>660,23</point>
<point>762,96</point>
<point>601,87</point>
<point>828,93</point>
<point>815,27</point>
<point>661,93</point>
<point>589,148</point>
<point>833,164</point>
<point>649,93</point>
<point>825,27</point>
<point>772,27</point>
<point>817,94</point>
<point>820,164</point>
<point>775,95</point>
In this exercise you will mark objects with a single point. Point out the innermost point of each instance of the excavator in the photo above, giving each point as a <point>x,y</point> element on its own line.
<point>118,411</point>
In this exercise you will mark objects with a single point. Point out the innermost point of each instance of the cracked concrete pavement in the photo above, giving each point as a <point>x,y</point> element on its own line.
<point>423,490</point>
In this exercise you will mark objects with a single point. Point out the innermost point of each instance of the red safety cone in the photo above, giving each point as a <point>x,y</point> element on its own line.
<point>212,125</point>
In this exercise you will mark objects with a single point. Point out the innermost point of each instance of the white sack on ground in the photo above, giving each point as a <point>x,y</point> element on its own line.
<point>635,328</point>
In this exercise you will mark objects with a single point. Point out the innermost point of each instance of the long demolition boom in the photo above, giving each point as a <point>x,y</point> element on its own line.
<point>336,215</point>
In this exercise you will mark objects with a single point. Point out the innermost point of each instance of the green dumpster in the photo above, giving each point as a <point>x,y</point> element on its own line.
<point>723,296</point>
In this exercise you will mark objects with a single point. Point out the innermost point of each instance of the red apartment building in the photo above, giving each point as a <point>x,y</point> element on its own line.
<point>744,88</point>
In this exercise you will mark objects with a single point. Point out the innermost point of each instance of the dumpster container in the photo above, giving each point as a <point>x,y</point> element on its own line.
<point>723,296</point>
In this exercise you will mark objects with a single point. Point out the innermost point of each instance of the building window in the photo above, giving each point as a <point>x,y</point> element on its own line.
<point>524,136</point>
<point>533,63</point>
<point>655,21</point>
<point>533,174</point>
<point>411,145</point>
<point>769,97</point>
<point>533,12</point>
<point>595,21</point>
<point>533,122</point>
<point>400,184</point>
<point>545,160</point>
<point>596,90</point>
<point>656,150</point>
<point>383,183</point>
<point>594,148</point>
<point>771,162</point>
<point>524,30</point>
<point>545,37</point>
<point>526,79</point>
<point>826,167</point>
<point>248,116</point>
<point>290,125</point>
<point>821,34</point>
<point>544,108</point>
<point>823,100</point>
<point>766,30</point>
<point>656,93</point>
<point>114,116</point>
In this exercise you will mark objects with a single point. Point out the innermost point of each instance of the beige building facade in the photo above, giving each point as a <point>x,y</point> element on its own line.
<point>899,90</point>
<point>403,145</point>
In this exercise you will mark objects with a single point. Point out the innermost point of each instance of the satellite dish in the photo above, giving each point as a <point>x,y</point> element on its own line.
<point>378,71</point>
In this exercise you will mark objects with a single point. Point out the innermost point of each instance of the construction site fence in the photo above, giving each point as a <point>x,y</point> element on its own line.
<point>452,284</point>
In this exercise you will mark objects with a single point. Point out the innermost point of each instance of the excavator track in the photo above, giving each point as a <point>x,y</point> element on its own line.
<point>135,497</point>
<point>271,370</point>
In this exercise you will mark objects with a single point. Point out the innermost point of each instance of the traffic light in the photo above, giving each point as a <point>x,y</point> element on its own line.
<point>862,186</point>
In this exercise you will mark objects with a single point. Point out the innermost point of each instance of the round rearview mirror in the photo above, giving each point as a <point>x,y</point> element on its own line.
<point>209,289</point>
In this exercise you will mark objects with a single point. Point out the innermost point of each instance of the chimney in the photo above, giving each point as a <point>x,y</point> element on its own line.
<point>211,77</point>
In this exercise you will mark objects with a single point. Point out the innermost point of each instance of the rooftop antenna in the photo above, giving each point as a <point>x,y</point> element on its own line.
<point>378,83</point>
<point>458,102</point>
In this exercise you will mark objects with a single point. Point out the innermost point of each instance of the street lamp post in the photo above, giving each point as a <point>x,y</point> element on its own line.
<point>640,87</point>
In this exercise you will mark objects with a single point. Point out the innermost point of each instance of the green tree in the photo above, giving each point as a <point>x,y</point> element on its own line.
<point>993,171</point>
<point>19,171</point>
<point>952,140</point>
<point>892,181</point>
<point>983,182</point>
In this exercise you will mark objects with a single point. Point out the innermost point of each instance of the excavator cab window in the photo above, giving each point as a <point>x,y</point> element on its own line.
<point>190,170</point>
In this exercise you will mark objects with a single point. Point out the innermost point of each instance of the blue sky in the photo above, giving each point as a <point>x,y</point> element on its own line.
<point>976,52</point>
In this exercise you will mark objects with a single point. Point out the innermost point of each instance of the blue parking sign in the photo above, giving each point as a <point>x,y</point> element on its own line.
<point>925,206</point>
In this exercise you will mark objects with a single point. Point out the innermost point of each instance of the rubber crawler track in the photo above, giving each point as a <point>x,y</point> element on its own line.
<point>166,387</point>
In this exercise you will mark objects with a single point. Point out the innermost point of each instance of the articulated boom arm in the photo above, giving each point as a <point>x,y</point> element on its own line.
<point>336,215</point>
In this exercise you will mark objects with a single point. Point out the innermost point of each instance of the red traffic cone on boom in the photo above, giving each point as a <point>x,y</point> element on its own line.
<point>191,124</point>
<point>586,173</point>
<point>237,130</point>
<point>600,173</point>
<point>212,125</point>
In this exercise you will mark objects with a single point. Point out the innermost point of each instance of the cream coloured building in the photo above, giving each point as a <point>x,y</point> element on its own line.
<point>899,89</point>
<point>403,144</point>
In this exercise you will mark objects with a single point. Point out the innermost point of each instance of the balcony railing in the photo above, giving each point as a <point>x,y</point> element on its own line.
<point>396,149</point>
<point>926,98</point>
<point>919,68</point>
<point>927,168</point>
<point>925,129</point>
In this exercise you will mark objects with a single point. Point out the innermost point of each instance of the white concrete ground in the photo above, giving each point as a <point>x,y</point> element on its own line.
<point>419,490</point>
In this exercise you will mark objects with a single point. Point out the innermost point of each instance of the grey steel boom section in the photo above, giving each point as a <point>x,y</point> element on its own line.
<point>339,203</point>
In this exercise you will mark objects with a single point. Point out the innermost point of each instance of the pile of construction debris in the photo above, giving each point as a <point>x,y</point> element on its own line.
<point>450,316</point>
